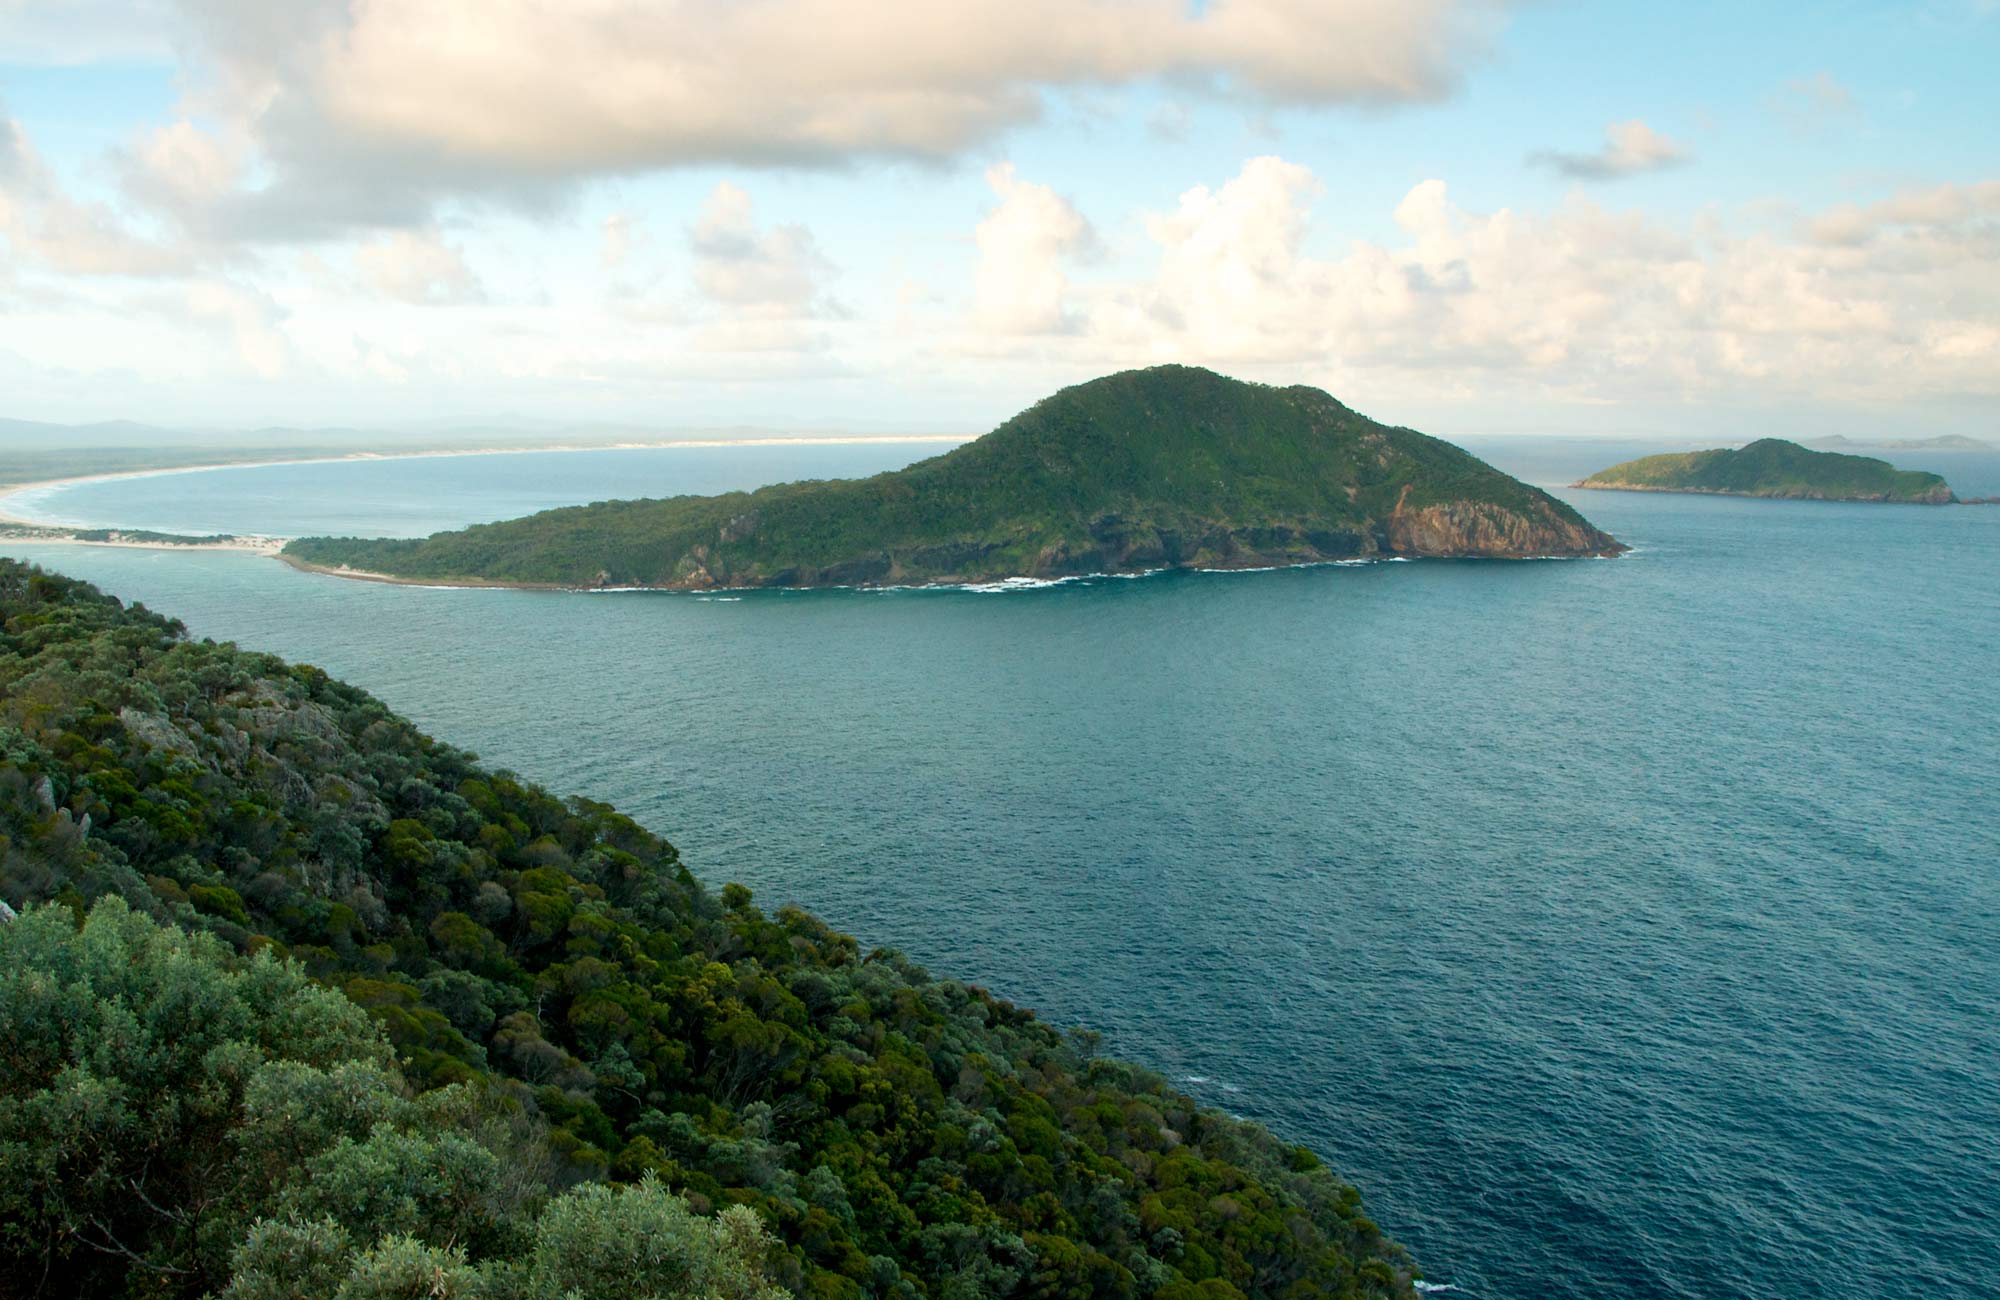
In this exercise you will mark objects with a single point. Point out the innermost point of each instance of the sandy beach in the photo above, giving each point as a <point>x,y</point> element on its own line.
<point>396,580</point>
<point>56,537</point>
<point>15,521</point>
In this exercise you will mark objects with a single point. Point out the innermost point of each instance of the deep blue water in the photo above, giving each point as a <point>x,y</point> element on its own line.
<point>1622,928</point>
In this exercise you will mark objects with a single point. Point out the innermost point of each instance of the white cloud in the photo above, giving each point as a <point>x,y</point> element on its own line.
<point>248,318</point>
<point>417,267</point>
<point>761,289</point>
<point>82,31</point>
<point>1629,149</point>
<point>1578,304</point>
<point>368,112</point>
<point>1225,257</point>
<point>15,158</point>
<point>1937,206</point>
<point>774,273</point>
<point>48,229</point>
<point>183,170</point>
<point>631,83</point>
<point>1023,244</point>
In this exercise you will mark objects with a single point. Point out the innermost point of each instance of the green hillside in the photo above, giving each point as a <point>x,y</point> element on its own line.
<point>1172,466</point>
<point>355,1015</point>
<point>1772,467</point>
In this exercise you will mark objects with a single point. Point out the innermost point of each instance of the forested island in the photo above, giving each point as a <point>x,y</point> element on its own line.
<point>1169,467</point>
<point>1773,467</point>
<point>301,1002</point>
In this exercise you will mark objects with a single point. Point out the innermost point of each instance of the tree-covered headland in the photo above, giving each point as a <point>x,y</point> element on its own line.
<point>300,1002</point>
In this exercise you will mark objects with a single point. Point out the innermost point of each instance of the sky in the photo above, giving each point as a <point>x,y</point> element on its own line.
<point>1468,216</point>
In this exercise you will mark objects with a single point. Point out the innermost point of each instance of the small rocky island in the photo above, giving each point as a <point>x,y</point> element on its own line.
<point>1943,442</point>
<point>1775,468</point>
<point>1172,467</point>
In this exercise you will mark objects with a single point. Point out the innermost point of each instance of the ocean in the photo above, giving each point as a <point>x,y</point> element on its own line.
<point>1621,928</point>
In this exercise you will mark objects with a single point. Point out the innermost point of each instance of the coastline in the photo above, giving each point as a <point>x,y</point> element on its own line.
<point>397,580</point>
<point>44,535</point>
<point>12,517</point>
<point>21,526</point>
<point>1009,583</point>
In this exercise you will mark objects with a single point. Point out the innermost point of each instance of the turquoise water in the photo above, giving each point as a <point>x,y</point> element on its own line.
<point>1621,927</point>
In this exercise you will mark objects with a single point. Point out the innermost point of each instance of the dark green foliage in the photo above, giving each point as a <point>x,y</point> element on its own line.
<point>172,1118</point>
<point>1773,467</point>
<point>1173,466</point>
<point>898,1135</point>
<point>142,1096</point>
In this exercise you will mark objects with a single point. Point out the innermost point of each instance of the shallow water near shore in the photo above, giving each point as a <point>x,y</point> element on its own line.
<point>1623,928</point>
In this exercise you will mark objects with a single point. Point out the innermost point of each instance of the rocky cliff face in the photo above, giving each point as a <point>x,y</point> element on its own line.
<point>1938,494</point>
<point>1113,544</point>
<point>1481,530</point>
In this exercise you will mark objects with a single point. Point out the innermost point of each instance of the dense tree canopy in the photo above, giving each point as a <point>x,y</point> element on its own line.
<point>172,1120</point>
<point>563,1004</point>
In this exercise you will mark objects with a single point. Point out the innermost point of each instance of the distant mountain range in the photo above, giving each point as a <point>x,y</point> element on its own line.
<point>1947,442</point>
